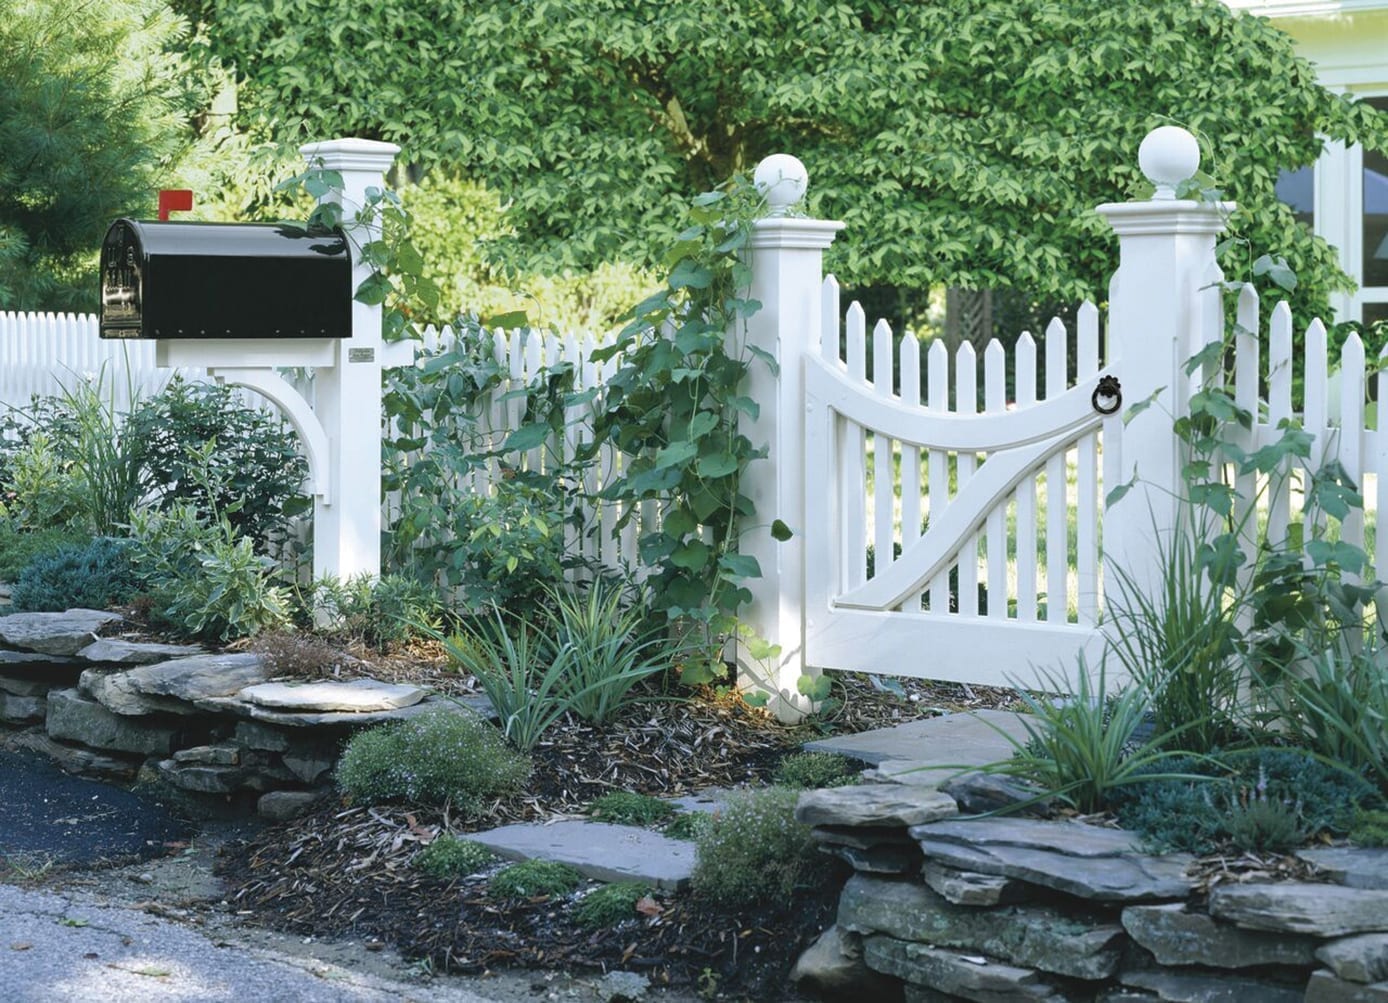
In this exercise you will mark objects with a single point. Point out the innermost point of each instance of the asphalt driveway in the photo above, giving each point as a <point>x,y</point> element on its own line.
<point>47,815</point>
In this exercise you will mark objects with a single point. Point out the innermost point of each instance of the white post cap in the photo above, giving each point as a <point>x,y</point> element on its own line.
<point>782,180</point>
<point>1168,156</point>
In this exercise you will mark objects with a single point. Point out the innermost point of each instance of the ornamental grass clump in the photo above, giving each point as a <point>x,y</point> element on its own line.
<point>440,758</point>
<point>754,850</point>
<point>1084,743</point>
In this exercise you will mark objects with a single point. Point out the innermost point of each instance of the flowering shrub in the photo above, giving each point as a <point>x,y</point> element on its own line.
<point>754,850</point>
<point>437,758</point>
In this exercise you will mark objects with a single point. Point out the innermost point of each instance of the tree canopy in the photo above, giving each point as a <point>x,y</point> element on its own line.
<point>964,144</point>
<point>92,110</point>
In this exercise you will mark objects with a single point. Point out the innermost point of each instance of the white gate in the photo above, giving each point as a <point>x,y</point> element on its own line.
<point>945,541</point>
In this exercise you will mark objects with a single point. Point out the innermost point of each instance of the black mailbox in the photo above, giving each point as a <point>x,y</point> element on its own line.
<point>224,280</point>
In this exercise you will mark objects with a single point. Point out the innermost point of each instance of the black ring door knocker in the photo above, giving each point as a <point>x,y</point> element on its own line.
<point>1108,395</point>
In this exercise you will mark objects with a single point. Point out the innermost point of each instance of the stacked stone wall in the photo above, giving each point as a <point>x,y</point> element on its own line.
<point>1002,908</point>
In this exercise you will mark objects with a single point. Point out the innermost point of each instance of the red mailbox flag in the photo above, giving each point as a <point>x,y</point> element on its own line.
<point>174,200</point>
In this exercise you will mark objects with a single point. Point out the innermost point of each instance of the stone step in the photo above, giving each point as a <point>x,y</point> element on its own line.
<point>930,751</point>
<point>597,850</point>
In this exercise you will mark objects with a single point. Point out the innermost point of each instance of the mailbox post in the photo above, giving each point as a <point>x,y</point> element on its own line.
<point>347,529</point>
<point>245,300</point>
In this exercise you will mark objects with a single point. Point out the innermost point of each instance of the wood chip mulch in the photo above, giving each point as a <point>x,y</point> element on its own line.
<point>346,870</point>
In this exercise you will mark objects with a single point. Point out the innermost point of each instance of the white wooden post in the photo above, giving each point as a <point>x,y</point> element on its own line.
<point>347,517</point>
<point>786,256</point>
<point>1164,305</point>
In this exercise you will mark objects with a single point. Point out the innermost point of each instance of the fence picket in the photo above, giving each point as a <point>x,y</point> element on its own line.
<point>937,388</point>
<point>1026,490</point>
<point>965,403</point>
<point>1279,407</point>
<point>1246,370</point>
<point>1057,535</point>
<point>1086,476</point>
<point>1379,455</point>
<point>883,486</point>
<point>911,455</point>
<point>994,402</point>
<point>853,476</point>
<point>1351,448</point>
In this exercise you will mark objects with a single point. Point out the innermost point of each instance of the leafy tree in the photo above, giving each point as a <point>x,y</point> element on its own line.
<point>964,144</point>
<point>93,108</point>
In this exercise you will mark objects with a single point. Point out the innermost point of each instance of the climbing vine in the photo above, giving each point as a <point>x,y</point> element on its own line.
<point>673,409</point>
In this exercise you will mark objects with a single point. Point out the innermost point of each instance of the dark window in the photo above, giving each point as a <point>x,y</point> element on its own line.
<point>1376,211</point>
<point>1297,189</point>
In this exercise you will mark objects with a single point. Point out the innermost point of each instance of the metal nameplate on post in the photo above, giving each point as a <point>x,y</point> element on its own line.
<point>361,355</point>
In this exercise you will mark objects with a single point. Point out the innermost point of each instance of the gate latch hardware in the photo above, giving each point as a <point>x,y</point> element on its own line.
<point>1108,395</point>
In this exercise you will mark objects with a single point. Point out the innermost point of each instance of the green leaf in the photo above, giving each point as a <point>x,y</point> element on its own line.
<point>1277,270</point>
<point>692,555</point>
<point>1211,355</point>
<point>675,454</point>
<point>1116,495</point>
<point>527,437</point>
<point>756,698</point>
<point>780,531</point>
<point>766,357</point>
<point>817,688</point>
<point>740,565</point>
<point>718,465</point>
<point>509,321</point>
<point>1142,405</point>
<point>679,522</point>
<point>690,274</point>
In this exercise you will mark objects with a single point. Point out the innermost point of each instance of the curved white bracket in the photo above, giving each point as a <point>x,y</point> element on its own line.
<point>275,387</point>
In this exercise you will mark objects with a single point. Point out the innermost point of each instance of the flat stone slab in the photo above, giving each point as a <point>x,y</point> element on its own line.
<point>1362,958</point>
<point>1302,907</point>
<point>1082,945</point>
<point>356,696</point>
<point>970,888</point>
<point>958,741</point>
<point>113,649</point>
<point>75,758</point>
<point>54,633</point>
<point>77,719</point>
<point>22,710</point>
<point>598,850</point>
<point>874,805</point>
<point>176,685</point>
<point>1086,861</point>
<point>475,703</point>
<point>32,662</point>
<point>946,971</point>
<point>1326,988</point>
<point>1177,937</point>
<point>1357,867</point>
<point>1211,987</point>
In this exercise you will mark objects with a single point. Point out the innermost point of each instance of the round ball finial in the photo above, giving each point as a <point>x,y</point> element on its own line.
<point>1168,156</point>
<point>782,181</point>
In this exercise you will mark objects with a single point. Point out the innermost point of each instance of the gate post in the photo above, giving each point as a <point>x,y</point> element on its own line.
<point>1164,305</point>
<point>786,257</point>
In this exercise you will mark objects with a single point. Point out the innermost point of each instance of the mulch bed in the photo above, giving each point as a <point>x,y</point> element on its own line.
<point>346,870</point>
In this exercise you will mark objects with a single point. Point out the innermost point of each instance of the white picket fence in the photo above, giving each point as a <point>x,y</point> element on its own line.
<point>1332,409</point>
<point>40,354</point>
<point>525,356</point>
